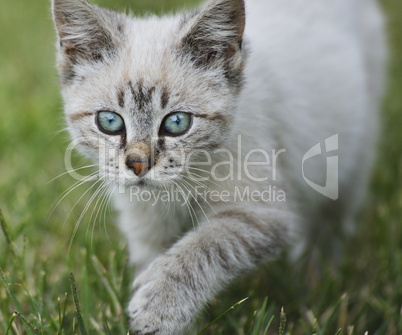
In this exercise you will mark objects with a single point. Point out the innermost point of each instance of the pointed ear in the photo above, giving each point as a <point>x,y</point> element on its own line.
<point>85,31</point>
<point>216,33</point>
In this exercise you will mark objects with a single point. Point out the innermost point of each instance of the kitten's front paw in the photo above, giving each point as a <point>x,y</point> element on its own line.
<point>159,306</point>
<point>143,320</point>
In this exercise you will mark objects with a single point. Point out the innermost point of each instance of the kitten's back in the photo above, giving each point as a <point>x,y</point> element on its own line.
<point>316,69</point>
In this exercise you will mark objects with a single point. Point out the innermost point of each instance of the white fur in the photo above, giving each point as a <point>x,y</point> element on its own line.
<point>314,69</point>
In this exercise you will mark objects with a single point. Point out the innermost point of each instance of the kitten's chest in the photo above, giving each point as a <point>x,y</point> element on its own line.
<point>158,216</point>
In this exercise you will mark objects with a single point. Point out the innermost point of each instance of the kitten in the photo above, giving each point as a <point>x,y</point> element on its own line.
<point>209,125</point>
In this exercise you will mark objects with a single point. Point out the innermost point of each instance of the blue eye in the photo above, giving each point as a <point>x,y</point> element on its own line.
<point>176,124</point>
<point>110,123</point>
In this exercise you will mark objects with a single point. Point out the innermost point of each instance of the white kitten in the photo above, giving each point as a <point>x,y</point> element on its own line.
<point>209,125</point>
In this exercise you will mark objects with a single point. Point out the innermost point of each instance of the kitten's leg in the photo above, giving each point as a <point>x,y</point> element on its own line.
<point>174,288</point>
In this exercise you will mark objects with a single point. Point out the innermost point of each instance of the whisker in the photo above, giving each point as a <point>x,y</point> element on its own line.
<point>189,203</point>
<point>166,206</point>
<point>208,172</point>
<point>209,180</point>
<point>206,187</point>
<point>195,199</point>
<point>198,183</point>
<point>108,208</point>
<point>73,170</point>
<point>101,200</point>
<point>54,134</point>
<point>100,193</point>
<point>72,188</point>
<point>186,201</point>
<point>91,199</point>
<point>209,204</point>
<point>77,224</point>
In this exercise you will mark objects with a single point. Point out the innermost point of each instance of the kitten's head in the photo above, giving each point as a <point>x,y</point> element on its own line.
<point>142,94</point>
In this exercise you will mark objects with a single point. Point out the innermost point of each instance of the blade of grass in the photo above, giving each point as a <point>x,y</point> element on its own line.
<point>101,271</point>
<point>282,322</point>
<point>268,325</point>
<point>107,328</point>
<point>10,324</point>
<point>40,324</point>
<point>4,228</point>
<point>261,317</point>
<point>25,321</point>
<point>61,316</point>
<point>222,315</point>
<point>85,288</point>
<point>77,305</point>
<point>13,298</point>
<point>10,292</point>
<point>60,319</point>
<point>34,304</point>
<point>324,328</point>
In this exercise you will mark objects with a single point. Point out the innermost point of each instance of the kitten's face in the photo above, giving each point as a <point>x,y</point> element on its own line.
<point>141,96</point>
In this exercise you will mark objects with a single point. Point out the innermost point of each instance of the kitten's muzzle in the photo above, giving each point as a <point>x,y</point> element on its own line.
<point>139,166</point>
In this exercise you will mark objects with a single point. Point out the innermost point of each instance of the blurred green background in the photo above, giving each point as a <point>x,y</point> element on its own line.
<point>31,147</point>
<point>32,154</point>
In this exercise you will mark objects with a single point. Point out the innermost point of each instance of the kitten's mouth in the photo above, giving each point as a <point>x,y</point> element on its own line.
<point>141,183</point>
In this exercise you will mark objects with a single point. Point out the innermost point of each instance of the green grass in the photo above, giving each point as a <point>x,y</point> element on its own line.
<point>38,295</point>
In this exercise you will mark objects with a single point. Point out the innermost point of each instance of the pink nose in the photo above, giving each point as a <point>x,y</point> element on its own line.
<point>140,168</point>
